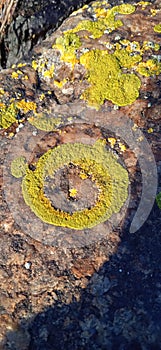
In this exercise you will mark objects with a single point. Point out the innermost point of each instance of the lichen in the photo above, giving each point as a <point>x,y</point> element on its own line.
<point>26,106</point>
<point>105,20</point>
<point>7,115</point>
<point>18,167</point>
<point>43,122</point>
<point>68,44</point>
<point>125,59</point>
<point>157,28</point>
<point>45,68</point>
<point>107,80</point>
<point>149,68</point>
<point>109,176</point>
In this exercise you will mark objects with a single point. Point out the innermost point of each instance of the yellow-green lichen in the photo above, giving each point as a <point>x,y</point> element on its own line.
<point>107,80</point>
<point>7,115</point>
<point>18,167</point>
<point>68,44</point>
<point>157,28</point>
<point>125,59</point>
<point>44,122</point>
<point>44,67</point>
<point>105,20</point>
<point>149,68</point>
<point>109,176</point>
<point>26,106</point>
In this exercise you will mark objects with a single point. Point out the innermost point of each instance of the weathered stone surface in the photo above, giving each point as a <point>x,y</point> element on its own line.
<point>98,287</point>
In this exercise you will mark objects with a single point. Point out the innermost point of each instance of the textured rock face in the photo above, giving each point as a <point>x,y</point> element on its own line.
<point>24,23</point>
<point>75,119</point>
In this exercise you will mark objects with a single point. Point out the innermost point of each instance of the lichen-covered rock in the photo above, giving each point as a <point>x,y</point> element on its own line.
<point>75,121</point>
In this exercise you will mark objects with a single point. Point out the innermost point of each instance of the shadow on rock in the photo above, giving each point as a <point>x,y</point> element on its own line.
<point>119,309</point>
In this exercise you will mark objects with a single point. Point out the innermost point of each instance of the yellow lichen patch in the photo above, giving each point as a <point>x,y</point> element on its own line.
<point>150,130</point>
<point>60,84</point>
<point>19,65</point>
<point>7,115</point>
<point>43,122</point>
<point>144,4</point>
<point>109,176</point>
<point>149,68</point>
<point>147,45</point>
<point>83,175</point>
<point>122,147</point>
<point>153,12</point>
<point>73,192</point>
<point>2,92</point>
<point>68,44</point>
<point>14,75</point>
<point>34,64</point>
<point>44,67</point>
<point>125,59</point>
<point>157,28</point>
<point>124,9</point>
<point>49,73</point>
<point>41,97</point>
<point>26,106</point>
<point>107,80</point>
<point>112,141</point>
<point>105,20</point>
<point>18,167</point>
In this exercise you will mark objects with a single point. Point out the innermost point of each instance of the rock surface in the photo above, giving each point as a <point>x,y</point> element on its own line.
<point>98,287</point>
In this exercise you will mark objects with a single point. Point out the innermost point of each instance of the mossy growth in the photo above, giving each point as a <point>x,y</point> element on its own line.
<point>109,176</point>
<point>158,200</point>
<point>19,167</point>
<point>107,80</point>
<point>106,20</point>
<point>7,115</point>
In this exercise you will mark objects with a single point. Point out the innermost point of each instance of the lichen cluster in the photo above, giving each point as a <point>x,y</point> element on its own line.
<point>8,114</point>
<point>109,176</point>
<point>107,80</point>
<point>105,67</point>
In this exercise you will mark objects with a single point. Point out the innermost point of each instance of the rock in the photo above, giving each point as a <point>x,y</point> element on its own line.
<point>75,120</point>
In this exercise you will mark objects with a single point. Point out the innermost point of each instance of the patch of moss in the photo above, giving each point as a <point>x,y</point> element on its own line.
<point>107,80</point>
<point>94,161</point>
<point>7,115</point>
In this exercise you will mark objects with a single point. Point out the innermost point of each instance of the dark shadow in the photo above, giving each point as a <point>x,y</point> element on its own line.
<point>119,309</point>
